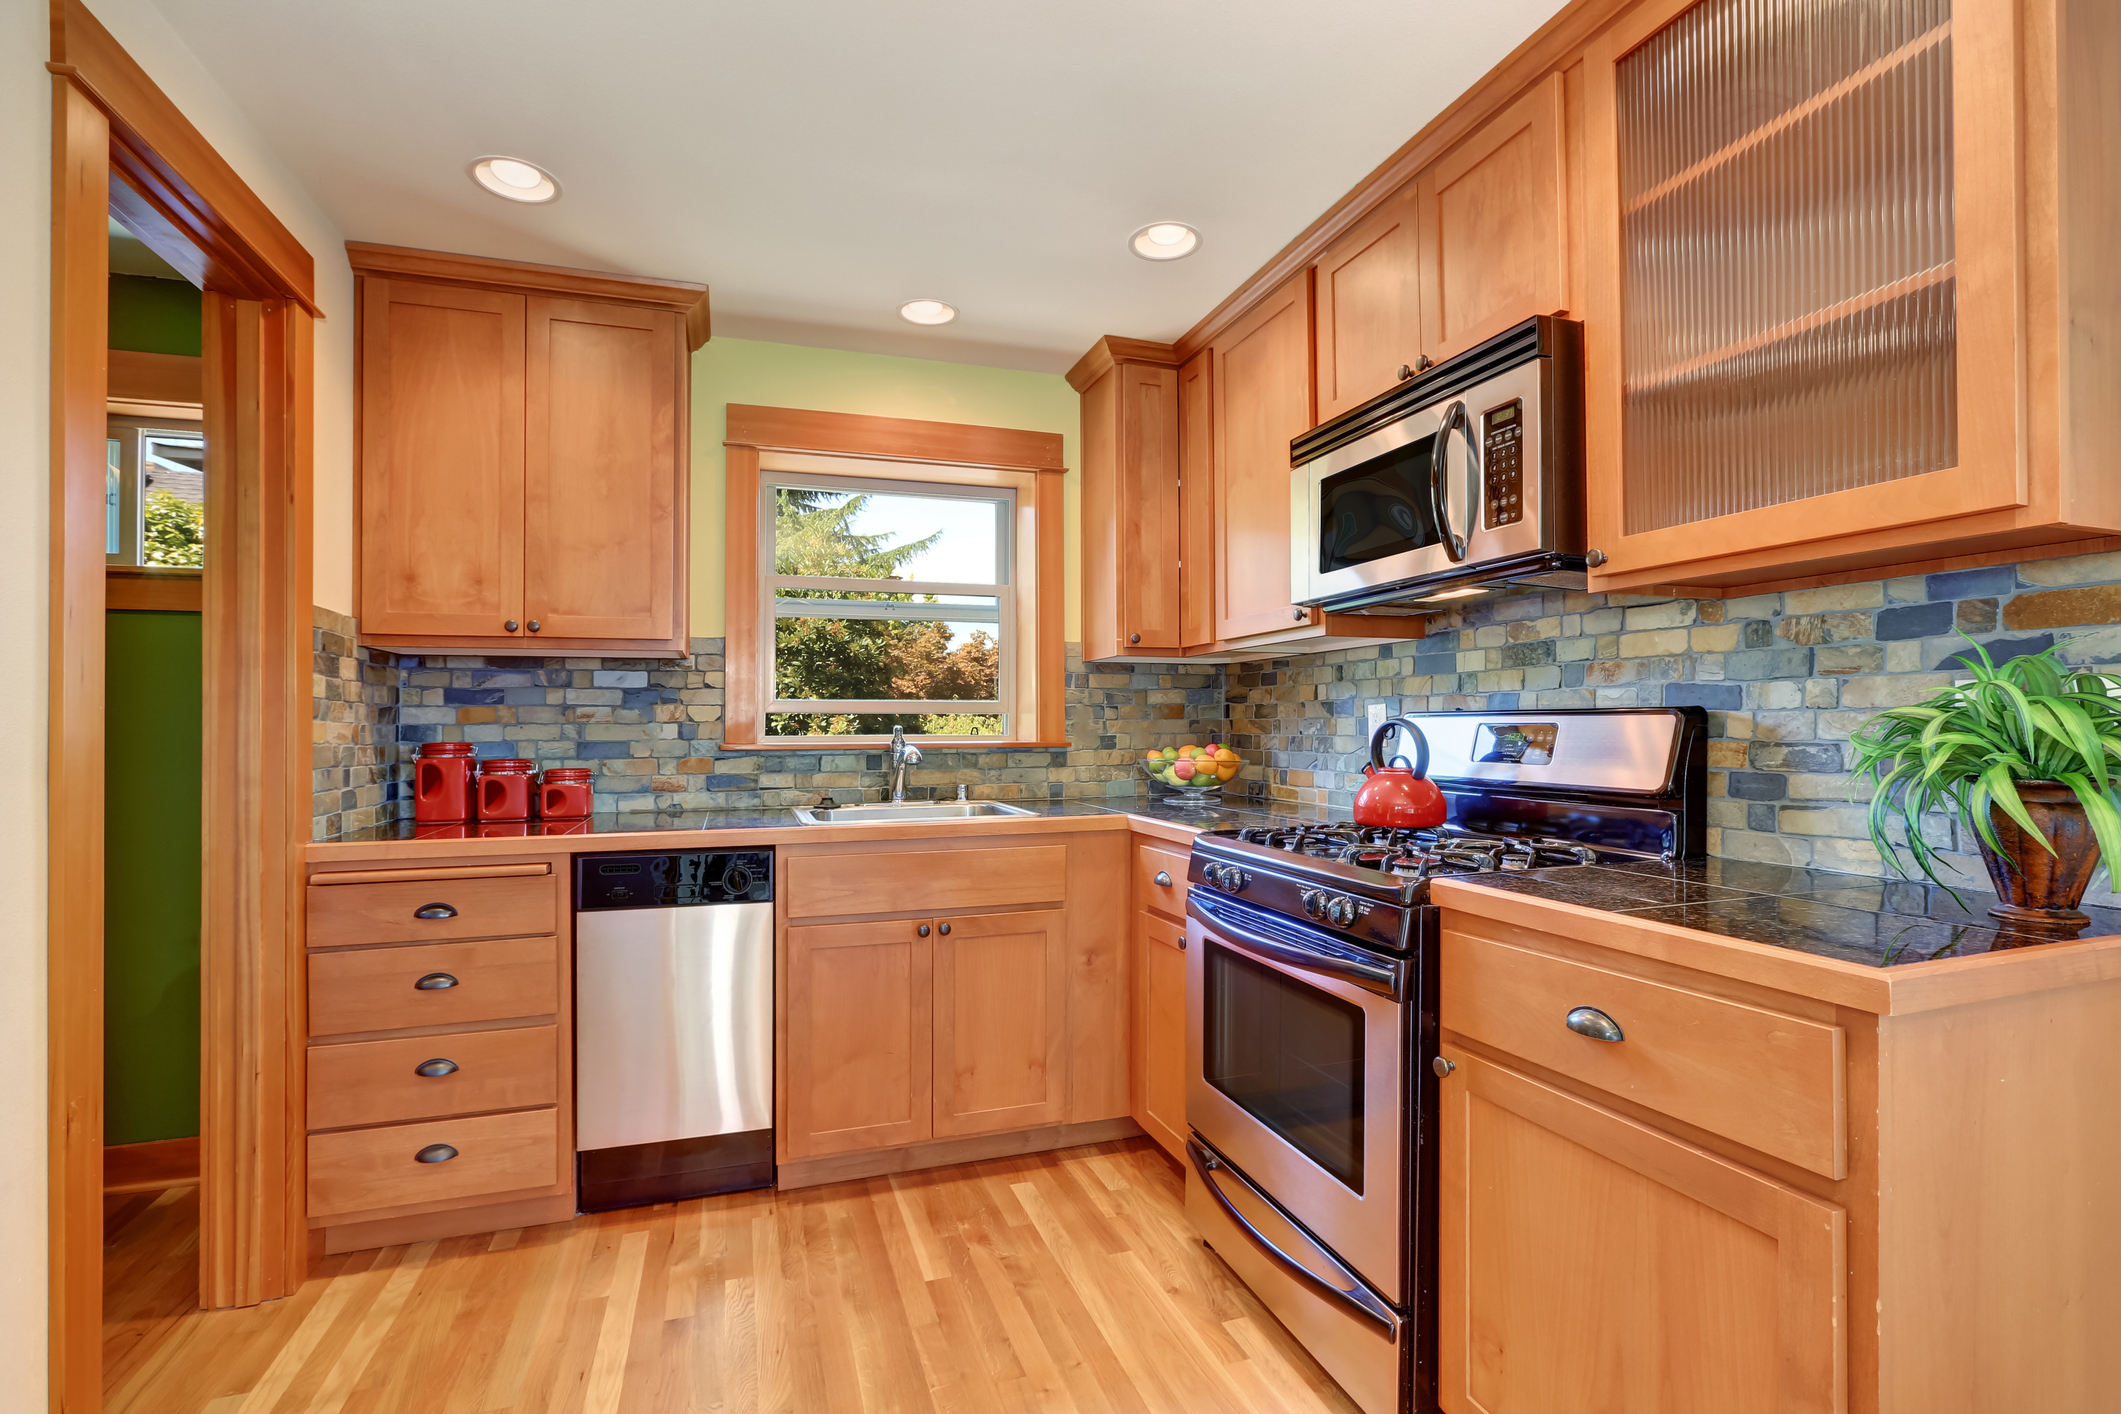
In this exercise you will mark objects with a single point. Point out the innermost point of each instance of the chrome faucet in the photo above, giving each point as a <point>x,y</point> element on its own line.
<point>902,756</point>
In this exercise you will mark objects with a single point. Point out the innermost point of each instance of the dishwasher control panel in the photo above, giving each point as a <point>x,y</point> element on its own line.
<point>672,880</point>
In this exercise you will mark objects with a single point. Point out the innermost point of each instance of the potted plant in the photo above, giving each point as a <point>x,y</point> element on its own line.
<point>2027,753</point>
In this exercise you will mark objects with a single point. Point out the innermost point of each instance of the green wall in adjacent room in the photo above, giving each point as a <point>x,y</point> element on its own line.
<point>148,315</point>
<point>728,371</point>
<point>153,756</point>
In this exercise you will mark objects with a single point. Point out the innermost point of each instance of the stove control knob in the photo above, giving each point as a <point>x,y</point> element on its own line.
<point>1341,909</point>
<point>1314,901</point>
<point>1228,877</point>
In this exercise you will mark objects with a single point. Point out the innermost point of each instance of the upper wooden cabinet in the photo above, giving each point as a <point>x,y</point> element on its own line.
<point>1368,285</point>
<point>523,455</point>
<point>1850,312</point>
<point>1131,499</point>
<point>1262,399</point>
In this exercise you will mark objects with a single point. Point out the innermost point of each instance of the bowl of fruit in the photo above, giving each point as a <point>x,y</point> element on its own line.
<point>1192,773</point>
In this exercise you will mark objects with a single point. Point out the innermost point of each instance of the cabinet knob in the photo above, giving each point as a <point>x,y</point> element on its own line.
<point>1405,373</point>
<point>1442,1067</point>
<point>436,1154</point>
<point>435,982</point>
<point>1163,877</point>
<point>1595,558</point>
<point>922,930</point>
<point>510,625</point>
<point>434,912</point>
<point>1590,1021</point>
<point>1302,613</point>
<point>943,928</point>
<point>1424,363</point>
<point>1134,638</point>
<point>435,1069</point>
<point>533,625</point>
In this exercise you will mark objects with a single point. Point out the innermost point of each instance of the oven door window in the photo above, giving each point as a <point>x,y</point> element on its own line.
<point>1382,507</point>
<point>1290,1055</point>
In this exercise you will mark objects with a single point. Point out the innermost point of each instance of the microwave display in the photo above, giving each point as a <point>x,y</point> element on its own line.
<point>1515,743</point>
<point>1382,507</point>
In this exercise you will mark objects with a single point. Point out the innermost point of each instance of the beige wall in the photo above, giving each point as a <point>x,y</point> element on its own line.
<point>25,318</point>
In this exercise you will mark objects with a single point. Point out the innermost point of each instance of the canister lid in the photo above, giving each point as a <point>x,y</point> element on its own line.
<point>508,766</point>
<point>568,773</point>
<point>447,748</point>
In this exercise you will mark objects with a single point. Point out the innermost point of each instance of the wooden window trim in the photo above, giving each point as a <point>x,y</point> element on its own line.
<point>162,589</point>
<point>928,451</point>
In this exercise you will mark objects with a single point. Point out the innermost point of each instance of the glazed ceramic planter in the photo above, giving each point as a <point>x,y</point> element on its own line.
<point>2034,886</point>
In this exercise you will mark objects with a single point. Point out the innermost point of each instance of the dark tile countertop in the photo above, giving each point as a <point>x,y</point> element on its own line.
<point>1874,922</point>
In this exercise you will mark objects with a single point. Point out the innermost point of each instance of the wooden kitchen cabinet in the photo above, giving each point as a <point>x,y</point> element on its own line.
<point>857,1007</point>
<point>523,455</point>
<point>1368,284</point>
<point>1001,1022</point>
<point>1262,399</point>
<point>1848,317</point>
<point>1158,965</point>
<point>1584,1255</point>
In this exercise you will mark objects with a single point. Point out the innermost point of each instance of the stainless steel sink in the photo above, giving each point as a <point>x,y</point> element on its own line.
<point>894,814</point>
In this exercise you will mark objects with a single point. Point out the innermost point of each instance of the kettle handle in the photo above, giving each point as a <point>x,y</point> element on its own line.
<point>1421,745</point>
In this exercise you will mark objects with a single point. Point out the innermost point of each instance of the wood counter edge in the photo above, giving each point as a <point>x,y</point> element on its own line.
<point>1895,991</point>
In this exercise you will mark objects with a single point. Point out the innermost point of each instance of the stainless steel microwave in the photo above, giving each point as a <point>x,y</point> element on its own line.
<point>1466,479</point>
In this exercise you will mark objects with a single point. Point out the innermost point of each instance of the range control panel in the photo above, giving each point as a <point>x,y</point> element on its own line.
<point>1502,442</point>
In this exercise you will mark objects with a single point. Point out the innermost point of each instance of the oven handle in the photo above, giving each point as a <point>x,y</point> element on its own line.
<point>1256,1213</point>
<point>1454,418</point>
<point>1287,945</point>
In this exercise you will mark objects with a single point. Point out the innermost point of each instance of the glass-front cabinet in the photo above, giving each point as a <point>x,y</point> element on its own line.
<point>1814,330</point>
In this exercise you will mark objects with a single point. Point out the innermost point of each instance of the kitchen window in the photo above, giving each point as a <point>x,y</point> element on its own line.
<point>154,493</point>
<point>888,573</point>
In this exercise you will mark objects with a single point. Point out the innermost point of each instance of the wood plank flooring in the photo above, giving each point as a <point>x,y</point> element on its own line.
<point>1050,1282</point>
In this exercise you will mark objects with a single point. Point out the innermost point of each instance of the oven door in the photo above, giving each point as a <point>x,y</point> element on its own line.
<point>1382,509</point>
<point>1296,1046</point>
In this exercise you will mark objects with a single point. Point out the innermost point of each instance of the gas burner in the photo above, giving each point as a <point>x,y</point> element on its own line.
<point>1418,854</point>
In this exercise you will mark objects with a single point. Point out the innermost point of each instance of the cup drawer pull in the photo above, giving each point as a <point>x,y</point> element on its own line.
<point>1590,1021</point>
<point>434,912</point>
<point>435,1069</point>
<point>436,1154</point>
<point>1163,878</point>
<point>435,982</point>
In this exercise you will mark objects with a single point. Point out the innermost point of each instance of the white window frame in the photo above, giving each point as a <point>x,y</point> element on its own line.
<point>1003,616</point>
<point>128,430</point>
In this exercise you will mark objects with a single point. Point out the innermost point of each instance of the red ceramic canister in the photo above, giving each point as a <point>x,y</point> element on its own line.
<point>442,781</point>
<point>507,788</point>
<point>565,795</point>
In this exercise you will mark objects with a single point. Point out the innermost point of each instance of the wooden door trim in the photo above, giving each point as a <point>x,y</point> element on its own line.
<point>118,139</point>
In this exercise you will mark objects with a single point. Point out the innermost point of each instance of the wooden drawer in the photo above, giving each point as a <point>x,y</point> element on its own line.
<point>1767,1080</point>
<point>938,881</point>
<point>503,906</point>
<point>375,1082</point>
<point>372,989</point>
<point>1151,860</point>
<point>357,1170</point>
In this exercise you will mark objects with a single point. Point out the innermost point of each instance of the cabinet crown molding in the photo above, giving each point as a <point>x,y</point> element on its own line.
<point>521,277</point>
<point>1115,349</point>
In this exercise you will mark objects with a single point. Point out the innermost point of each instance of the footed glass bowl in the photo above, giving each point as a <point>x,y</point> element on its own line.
<point>1205,787</point>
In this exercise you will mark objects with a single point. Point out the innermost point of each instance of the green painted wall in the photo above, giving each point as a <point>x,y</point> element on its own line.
<point>728,371</point>
<point>153,753</point>
<point>154,316</point>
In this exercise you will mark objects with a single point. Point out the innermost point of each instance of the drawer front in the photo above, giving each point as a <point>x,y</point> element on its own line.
<point>1160,879</point>
<point>343,915</point>
<point>1770,1081</point>
<point>937,881</point>
<point>372,989</point>
<point>379,1082</point>
<point>358,1170</point>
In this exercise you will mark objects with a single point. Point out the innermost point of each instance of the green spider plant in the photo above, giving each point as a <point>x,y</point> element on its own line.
<point>2033,719</point>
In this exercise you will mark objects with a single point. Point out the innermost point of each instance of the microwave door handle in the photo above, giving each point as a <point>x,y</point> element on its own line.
<point>1380,977</point>
<point>1454,418</point>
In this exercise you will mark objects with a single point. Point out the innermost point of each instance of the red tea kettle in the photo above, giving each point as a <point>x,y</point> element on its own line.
<point>1395,797</point>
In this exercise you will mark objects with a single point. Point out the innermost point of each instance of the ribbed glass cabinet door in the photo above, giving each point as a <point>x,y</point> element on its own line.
<point>1777,353</point>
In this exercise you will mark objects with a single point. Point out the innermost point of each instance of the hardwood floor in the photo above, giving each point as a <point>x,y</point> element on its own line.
<point>1061,1281</point>
<point>150,1275</point>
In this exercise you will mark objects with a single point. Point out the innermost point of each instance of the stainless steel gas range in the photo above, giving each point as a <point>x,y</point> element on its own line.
<point>1311,1028</point>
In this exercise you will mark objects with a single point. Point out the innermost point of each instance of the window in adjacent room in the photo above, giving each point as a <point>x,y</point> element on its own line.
<point>887,603</point>
<point>155,493</point>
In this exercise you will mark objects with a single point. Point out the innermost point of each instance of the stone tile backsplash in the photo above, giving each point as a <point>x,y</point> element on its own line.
<point>354,750</point>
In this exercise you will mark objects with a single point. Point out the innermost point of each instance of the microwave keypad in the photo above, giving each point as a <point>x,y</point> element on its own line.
<point>1502,437</point>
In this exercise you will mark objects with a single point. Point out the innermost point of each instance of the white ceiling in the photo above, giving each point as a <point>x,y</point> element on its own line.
<point>818,164</point>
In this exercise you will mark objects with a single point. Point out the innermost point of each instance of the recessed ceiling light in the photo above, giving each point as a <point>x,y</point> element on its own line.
<point>927,311</point>
<point>515,179</point>
<point>1164,240</point>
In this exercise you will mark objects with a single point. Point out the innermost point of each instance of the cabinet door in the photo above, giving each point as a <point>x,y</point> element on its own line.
<point>601,483</point>
<point>1196,500</point>
<point>1262,399</point>
<point>1148,508</point>
<point>1587,1260</point>
<point>1160,1030</point>
<point>855,1059</point>
<point>1781,271</point>
<point>441,460</point>
<point>1495,246</point>
<point>1001,1013</point>
<point>1369,306</point>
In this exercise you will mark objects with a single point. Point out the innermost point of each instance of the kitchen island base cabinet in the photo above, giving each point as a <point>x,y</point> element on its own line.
<point>1584,1254</point>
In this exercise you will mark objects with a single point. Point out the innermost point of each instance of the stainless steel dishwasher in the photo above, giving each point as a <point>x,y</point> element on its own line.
<point>673,1033</point>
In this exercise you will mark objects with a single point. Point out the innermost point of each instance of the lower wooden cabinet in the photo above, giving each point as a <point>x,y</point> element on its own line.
<point>1584,1254</point>
<point>436,1161</point>
<point>922,1028</point>
<point>1160,1030</point>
